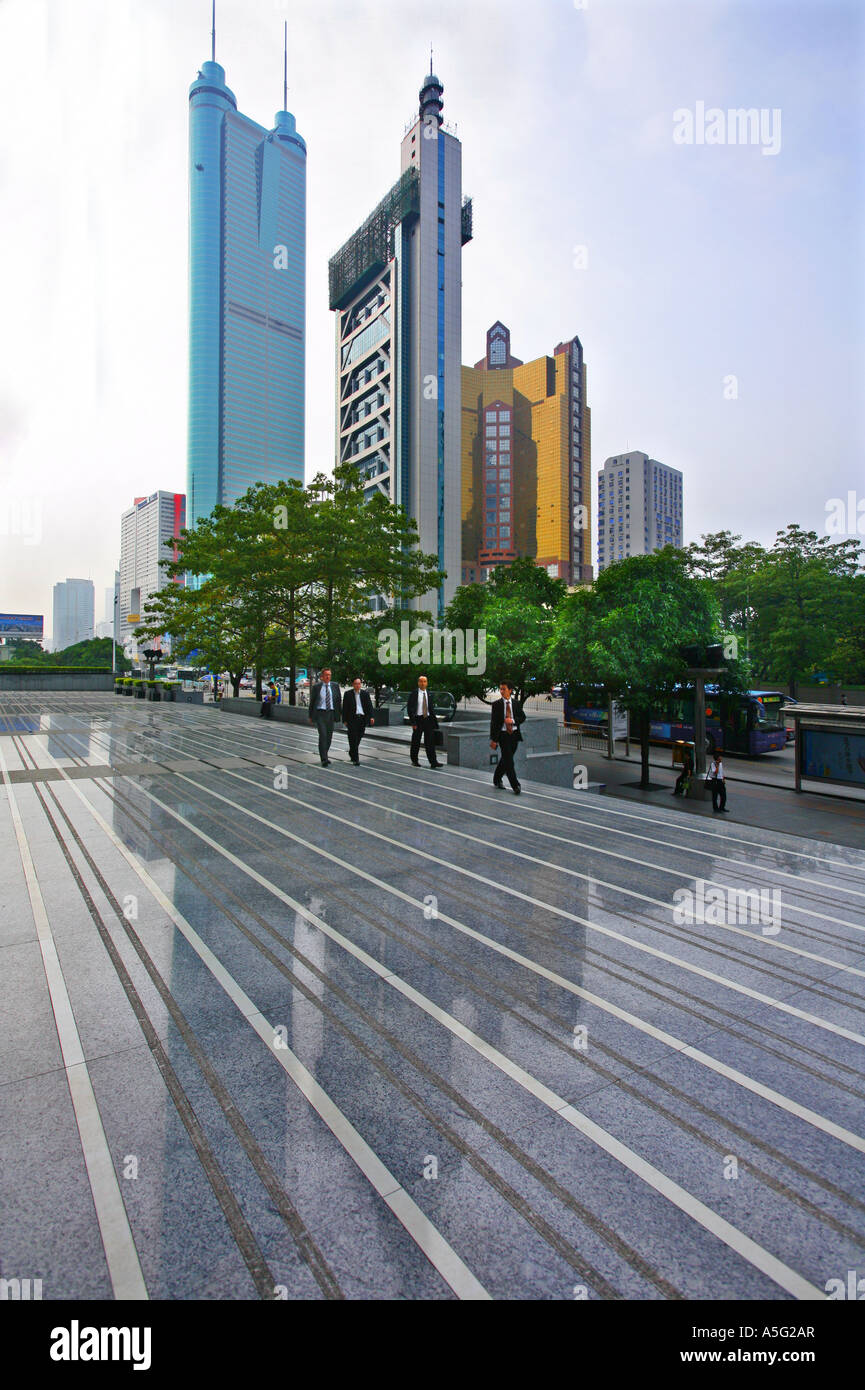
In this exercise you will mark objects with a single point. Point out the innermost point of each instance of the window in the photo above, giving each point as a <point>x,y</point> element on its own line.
<point>504,516</point>
<point>491,431</point>
<point>504,533</point>
<point>490,416</point>
<point>504,473</point>
<point>492,458</point>
<point>491,516</point>
<point>504,488</point>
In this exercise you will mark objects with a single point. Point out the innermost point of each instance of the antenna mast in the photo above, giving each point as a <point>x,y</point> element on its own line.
<point>285,69</point>
<point>213,34</point>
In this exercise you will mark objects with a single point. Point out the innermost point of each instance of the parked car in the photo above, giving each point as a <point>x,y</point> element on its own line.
<point>443,703</point>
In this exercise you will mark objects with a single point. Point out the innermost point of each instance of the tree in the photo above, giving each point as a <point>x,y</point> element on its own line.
<point>797,593</point>
<point>201,624</point>
<point>361,550</point>
<point>94,651</point>
<point>515,610</point>
<point>625,634</point>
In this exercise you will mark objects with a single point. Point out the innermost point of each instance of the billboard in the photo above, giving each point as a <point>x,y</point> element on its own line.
<point>28,625</point>
<point>832,755</point>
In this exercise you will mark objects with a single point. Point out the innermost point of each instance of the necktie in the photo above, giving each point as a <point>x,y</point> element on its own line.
<point>424,705</point>
<point>327,697</point>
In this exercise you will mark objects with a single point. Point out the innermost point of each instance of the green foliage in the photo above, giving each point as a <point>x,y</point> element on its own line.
<point>797,607</point>
<point>94,654</point>
<point>285,577</point>
<point>626,632</point>
<point>516,609</point>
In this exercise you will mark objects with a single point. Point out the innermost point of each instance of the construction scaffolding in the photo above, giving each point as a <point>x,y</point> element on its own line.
<point>368,251</point>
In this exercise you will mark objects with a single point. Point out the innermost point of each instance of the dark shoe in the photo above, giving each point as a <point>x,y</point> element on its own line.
<point>517,789</point>
<point>498,786</point>
<point>326,762</point>
<point>415,763</point>
<point>436,765</point>
<point>725,810</point>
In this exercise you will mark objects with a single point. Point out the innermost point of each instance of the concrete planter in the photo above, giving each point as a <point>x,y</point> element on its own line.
<point>152,692</point>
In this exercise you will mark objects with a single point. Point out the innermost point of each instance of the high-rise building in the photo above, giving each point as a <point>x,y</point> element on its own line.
<point>526,465</point>
<point>396,288</point>
<point>105,628</point>
<point>73,613</point>
<point>144,529</point>
<point>639,507</point>
<point>247,271</point>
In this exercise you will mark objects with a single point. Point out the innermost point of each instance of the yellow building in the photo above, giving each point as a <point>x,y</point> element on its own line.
<point>526,461</point>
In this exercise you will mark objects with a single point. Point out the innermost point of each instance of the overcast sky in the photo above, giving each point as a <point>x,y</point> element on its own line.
<point>702,262</point>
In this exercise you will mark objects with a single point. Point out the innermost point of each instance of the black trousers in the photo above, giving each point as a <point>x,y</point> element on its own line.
<point>324,719</point>
<point>425,730</point>
<point>719,793</point>
<point>505,766</point>
<point>355,728</point>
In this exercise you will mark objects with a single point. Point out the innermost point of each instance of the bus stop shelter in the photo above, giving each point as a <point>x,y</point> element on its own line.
<point>830,747</point>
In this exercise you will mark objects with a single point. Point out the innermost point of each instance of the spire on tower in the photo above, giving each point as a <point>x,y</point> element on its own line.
<point>213,34</point>
<point>285,68</point>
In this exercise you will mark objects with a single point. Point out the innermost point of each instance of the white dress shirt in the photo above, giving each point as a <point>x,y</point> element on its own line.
<point>322,698</point>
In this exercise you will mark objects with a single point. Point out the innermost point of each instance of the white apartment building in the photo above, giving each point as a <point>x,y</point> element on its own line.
<point>144,528</point>
<point>639,507</point>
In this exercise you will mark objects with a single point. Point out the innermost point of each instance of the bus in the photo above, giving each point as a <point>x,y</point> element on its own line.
<point>750,723</point>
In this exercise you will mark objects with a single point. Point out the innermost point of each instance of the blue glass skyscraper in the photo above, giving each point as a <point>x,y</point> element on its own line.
<point>247,271</point>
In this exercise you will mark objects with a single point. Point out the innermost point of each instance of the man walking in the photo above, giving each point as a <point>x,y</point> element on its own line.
<point>325,706</point>
<point>717,781</point>
<point>424,723</point>
<point>357,712</point>
<point>506,717</point>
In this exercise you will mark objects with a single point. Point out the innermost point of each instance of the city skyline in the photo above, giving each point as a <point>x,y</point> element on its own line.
<point>714,288</point>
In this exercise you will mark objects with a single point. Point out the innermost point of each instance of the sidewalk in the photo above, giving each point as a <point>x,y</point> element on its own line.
<point>838,819</point>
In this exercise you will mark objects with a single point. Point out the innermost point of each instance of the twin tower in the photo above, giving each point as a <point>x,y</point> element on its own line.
<point>395,287</point>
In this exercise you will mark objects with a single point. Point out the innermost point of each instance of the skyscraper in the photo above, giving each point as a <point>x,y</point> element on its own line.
<point>639,507</point>
<point>144,529</point>
<point>247,269</point>
<point>73,613</point>
<point>396,288</point>
<point>526,468</point>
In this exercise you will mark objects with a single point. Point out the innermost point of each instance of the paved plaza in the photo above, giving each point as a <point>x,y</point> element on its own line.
<point>271,1030</point>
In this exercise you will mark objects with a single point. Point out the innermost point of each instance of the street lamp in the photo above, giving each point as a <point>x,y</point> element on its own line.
<point>151,656</point>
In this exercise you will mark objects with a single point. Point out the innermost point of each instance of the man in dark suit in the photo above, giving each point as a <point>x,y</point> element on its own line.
<point>325,706</point>
<point>507,716</point>
<point>357,712</point>
<point>422,718</point>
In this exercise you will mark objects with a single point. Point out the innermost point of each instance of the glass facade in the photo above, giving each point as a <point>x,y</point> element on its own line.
<point>247,254</point>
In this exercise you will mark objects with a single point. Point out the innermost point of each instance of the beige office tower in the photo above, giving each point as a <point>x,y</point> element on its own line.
<point>527,458</point>
<point>396,289</point>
